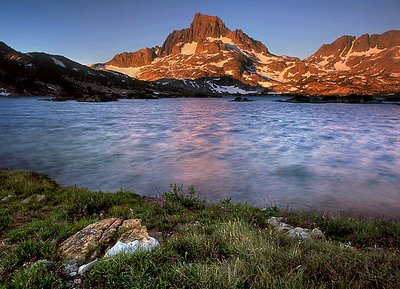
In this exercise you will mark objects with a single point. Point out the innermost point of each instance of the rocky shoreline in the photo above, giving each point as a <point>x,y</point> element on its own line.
<point>352,98</point>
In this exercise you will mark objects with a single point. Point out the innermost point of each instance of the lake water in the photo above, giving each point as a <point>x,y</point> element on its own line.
<point>326,157</point>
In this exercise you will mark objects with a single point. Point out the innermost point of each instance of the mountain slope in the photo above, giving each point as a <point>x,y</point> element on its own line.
<point>369,64</point>
<point>44,74</point>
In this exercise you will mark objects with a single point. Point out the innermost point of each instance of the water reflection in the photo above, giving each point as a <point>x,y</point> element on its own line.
<point>315,157</point>
<point>200,147</point>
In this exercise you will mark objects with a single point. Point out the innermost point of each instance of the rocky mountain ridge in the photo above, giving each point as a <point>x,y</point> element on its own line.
<point>43,74</point>
<point>369,64</point>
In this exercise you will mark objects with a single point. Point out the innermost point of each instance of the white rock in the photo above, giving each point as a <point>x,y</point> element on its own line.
<point>77,281</point>
<point>86,267</point>
<point>317,234</point>
<point>299,233</point>
<point>278,224</point>
<point>131,247</point>
<point>5,199</point>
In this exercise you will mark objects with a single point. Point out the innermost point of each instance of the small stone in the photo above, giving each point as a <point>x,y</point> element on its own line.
<point>299,233</point>
<point>6,199</point>
<point>274,221</point>
<point>86,267</point>
<point>278,224</point>
<point>317,234</point>
<point>70,270</point>
<point>40,198</point>
<point>35,198</point>
<point>77,281</point>
<point>26,201</point>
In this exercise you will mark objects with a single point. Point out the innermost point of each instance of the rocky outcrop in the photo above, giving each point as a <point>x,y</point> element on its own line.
<point>300,233</point>
<point>202,27</point>
<point>246,43</point>
<point>92,241</point>
<point>368,54</point>
<point>330,53</point>
<point>138,58</point>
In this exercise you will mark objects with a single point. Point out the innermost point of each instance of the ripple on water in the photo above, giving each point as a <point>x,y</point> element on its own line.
<point>312,157</point>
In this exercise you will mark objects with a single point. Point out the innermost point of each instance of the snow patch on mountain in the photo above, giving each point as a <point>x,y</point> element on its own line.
<point>325,60</point>
<point>341,66</point>
<point>221,63</point>
<point>265,84</point>
<point>58,62</point>
<point>265,58</point>
<point>230,89</point>
<point>131,71</point>
<point>225,40</point>
<point>189,48</point>
<point>4,92</point>
<point>367,53</point>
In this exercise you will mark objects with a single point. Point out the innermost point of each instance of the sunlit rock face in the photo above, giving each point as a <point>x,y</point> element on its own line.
<point>369,64</point>
<point>141,57</point>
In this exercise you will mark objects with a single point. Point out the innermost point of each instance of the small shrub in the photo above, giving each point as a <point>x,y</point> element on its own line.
<point>177,196</point>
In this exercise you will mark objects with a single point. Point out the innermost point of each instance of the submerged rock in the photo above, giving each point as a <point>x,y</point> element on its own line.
<point>242,99</point>
<point>98,98</point>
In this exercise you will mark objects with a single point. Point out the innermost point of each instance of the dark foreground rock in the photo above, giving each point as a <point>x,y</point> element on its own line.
<point>242,99</point>
<point>98,98</point>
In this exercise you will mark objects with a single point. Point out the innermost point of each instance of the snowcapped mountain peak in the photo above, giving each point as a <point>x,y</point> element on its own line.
<point>208,49</point>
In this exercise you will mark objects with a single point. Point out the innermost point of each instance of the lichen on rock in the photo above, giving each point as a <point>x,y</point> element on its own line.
<point>93,240</point>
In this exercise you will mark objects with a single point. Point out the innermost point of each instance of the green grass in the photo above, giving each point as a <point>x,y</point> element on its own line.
<point>204,245</point>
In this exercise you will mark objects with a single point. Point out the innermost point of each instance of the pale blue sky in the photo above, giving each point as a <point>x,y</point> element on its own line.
<point>92,31</point>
